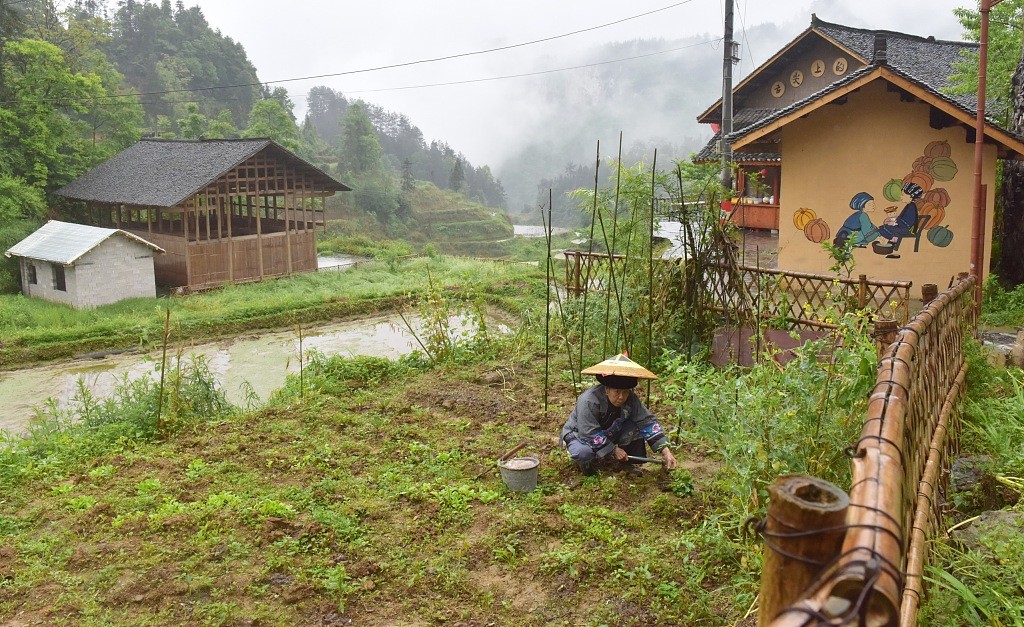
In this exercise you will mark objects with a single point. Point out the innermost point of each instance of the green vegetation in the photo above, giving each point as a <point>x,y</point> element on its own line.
<point>978,579</point>
<point>1002,307</point>
<point>366,490</point>
<point>33,330</point>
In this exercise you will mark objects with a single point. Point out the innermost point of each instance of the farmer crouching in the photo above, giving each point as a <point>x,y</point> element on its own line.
<point>610,423</point>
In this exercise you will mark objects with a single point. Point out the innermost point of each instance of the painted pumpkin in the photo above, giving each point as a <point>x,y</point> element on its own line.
<point>922,164</point>
<point>817,230</point>
<point>939,196</point>
<point>941,236</point>
<point>893,190</point>
<point>936,214</point>
<point>802,216</point>
<point>938,149</point>
<point>943,169</point>
<point>923,179</point>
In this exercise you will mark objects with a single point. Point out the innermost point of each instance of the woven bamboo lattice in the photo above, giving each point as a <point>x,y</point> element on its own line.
<point>589,272</point>
<point>801,299</point>
<point>900,467</point>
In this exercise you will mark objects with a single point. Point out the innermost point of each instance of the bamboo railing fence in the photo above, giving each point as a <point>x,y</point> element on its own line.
<point>801,299</point>
<point>900,466</point>
<point>798,299</point>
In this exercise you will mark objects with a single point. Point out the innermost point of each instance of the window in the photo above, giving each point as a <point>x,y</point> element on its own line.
<point>32,278</point>
<point>59,283</point>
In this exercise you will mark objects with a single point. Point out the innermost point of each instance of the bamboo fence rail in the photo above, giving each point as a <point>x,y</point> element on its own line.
<point>798,299</point>
<point>900,467</point>
<point>801,299</point>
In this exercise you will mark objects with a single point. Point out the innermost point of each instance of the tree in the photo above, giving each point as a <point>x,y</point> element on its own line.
<point>221,127</point>
<point>194,124</point>
<point>40,142</point>
<point>269,119</point>
<point>408,182</point>
<point>1004,37</point>
<point>360,151</point>
<point>457,178</point>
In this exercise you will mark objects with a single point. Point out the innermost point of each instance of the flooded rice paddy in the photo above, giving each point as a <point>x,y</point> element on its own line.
<point>242,366</point>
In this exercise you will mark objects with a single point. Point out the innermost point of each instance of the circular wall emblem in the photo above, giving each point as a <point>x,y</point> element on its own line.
<point>778,89</point>
<point>796,79</point>
<point>840,66</point>
<point>818,68</point>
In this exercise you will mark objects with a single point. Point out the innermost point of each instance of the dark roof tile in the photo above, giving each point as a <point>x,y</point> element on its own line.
<point>164,173</point>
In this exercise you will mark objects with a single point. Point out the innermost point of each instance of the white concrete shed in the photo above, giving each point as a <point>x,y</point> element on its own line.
<point>85,266</point>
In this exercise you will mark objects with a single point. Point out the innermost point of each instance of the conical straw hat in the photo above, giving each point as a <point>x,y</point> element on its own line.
<point>622,366</point>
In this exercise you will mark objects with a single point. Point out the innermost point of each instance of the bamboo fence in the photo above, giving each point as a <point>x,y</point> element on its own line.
<point>799,299</point>
<point>900,468</point>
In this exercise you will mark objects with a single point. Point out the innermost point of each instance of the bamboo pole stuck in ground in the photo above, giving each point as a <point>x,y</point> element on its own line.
<point>803,531</point>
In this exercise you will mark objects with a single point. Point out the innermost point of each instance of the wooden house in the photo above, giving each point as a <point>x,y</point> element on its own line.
<point>830,130</point>
<point>226,211</point>
<point>85,266</point>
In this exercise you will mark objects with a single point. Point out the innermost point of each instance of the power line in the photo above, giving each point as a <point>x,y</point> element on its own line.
<point>449,83</point>
<point>381,67</point>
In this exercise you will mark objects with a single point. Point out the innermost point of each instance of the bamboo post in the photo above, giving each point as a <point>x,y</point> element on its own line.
<point>804,530</point>
<point>862,291</point>
<point>885,334</point>
<point>929,291</point>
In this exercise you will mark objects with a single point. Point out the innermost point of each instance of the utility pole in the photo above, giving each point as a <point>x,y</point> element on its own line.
<point>729,57</point>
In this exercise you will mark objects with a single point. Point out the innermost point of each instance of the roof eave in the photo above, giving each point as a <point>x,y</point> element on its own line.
<point>885,73</point>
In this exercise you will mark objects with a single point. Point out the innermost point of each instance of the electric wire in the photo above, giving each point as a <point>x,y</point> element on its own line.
<point>94,101</point>
<point>381,67</point>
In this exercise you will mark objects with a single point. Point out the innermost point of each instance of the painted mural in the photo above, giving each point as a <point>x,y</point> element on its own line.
<point>919,212</point>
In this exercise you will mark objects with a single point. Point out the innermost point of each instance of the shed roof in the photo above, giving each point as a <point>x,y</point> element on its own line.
<point>164,173</point>
<point>65,242</point>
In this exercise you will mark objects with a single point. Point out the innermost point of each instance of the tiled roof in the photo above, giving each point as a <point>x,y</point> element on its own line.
<point>163,173</point>
<point>927,60</point>
<point>741,120</point>
<point>65,243</point>
<point>851,78</point>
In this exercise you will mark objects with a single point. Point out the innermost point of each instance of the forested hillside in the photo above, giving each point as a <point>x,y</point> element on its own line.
<point>81,81</point>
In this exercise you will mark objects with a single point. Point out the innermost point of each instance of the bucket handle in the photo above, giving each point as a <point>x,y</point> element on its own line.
<point>512,451</point>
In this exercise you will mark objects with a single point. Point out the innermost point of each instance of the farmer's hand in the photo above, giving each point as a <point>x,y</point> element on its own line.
<point>670,459</point>
<point>621,455</point>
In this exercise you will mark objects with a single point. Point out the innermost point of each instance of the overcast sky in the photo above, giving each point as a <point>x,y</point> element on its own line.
<point>300,38</point>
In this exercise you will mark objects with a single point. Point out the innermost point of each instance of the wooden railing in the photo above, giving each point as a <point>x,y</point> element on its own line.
<point>900,466</point>
<point>800,299</point>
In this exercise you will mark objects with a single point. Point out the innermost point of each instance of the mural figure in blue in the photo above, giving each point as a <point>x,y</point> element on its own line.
<point>894,229</point>
<point>858,227</point>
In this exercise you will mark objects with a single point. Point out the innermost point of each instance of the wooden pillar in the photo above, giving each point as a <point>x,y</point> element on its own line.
<point>188,260</point>
<point>287,233</point>
<point>803,531</point>
<point>226,201</point>
<point>218,213</point>
<point>259,231</point>
<point>149,219</point>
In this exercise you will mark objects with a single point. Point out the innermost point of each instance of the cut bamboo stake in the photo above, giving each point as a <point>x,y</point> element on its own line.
<point>804,530</point>
<point>547,304</point>
<point>650,275</point>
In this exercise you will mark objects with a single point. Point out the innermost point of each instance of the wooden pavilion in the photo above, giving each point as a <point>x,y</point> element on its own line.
<point>225,211</point>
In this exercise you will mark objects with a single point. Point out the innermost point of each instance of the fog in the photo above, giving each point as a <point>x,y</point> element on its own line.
<point>504,119</point>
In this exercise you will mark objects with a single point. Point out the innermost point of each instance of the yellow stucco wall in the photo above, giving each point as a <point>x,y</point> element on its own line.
<point>839,150</point>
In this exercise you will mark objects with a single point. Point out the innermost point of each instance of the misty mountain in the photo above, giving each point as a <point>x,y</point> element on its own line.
<point>652,100</point>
